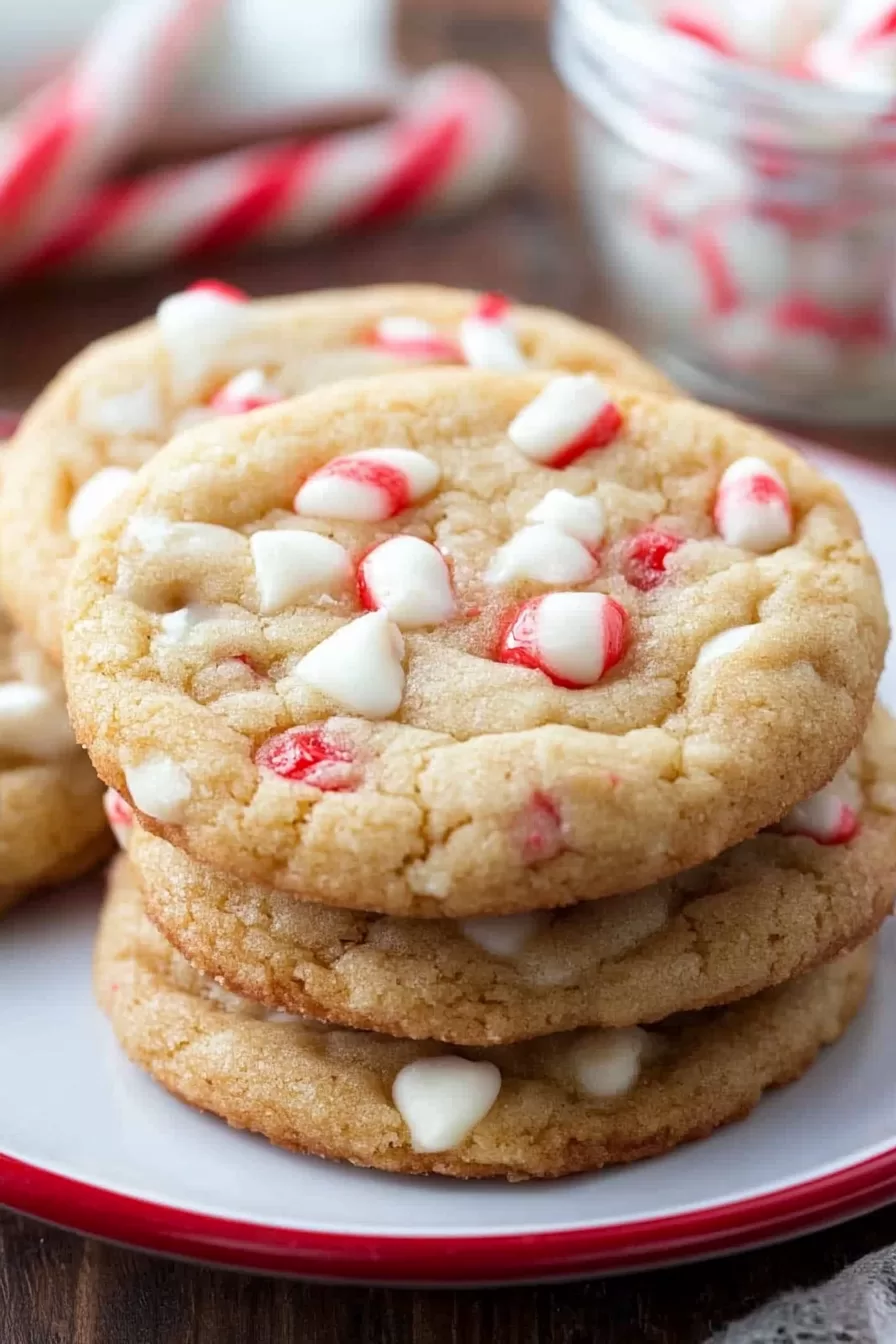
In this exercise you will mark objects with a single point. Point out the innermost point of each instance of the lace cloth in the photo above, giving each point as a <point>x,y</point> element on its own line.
<point>856,1307</point>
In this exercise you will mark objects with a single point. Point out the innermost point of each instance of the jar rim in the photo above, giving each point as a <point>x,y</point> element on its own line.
<point>612,25</point>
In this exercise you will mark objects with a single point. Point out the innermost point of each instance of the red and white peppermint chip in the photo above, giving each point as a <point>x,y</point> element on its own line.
<point>858,50</point>
<point>539,830</point>
<point>569,417</point>
<point>314,756</point>
<point>93,497</point>
<point>196,324</point>
<point>413,338</point>
<point>752,508</point>
<point>369,486</point>
<point>644,557</point>
<point>409,580</point>
<point>120,816</point>
<point>248,391</point>
<point>582,517</point>
<point>573,638</point>
<point>543,554</point>
<point>830,816</point>
<point>487,339</point>
<point>291,566</point>
<point>359,667</point>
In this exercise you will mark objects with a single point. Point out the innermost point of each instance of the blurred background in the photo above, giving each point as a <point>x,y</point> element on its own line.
<point>714,179</point>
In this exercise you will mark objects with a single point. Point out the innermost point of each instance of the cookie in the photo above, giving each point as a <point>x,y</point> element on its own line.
<point>770,909</point>
<point>51,815</point>
<point>310,647</point>
<point>567,1103</point>
<point>210,352</point>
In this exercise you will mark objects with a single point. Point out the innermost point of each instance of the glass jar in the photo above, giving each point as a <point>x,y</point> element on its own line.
<point>745,221</point>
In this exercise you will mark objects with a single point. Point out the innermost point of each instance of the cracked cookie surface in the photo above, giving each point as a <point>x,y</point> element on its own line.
<point>255,662</point>
<point>771,909</point>
<point>120,400</point>
<point>567,1103</point>
<point>51,817</point>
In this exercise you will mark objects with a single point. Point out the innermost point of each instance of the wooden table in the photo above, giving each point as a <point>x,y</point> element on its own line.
<point>56,1288</point>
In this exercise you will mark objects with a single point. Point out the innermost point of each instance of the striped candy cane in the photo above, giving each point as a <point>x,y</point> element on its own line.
<point>455,136</point>
<point>74,129</point>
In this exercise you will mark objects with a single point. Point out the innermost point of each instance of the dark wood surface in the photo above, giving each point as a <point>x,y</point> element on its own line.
<point>56,1288</point>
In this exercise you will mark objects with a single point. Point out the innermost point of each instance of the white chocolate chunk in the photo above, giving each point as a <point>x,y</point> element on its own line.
<point>543,554</point>
<point>137,412</point>
<point>608,1063</point>
<point>155,535</point>
<point>369,486</point>
<point>442,1099</point>
<point>408,579</point>
<point>359,667</point>
<point>159,787</point>
<point>558,415</point>
<point>33,722</point>
<point>729,641</point>
<point>96,492</point>
<point>504,935</point>
<point>177,626</point>
<point>581,517</point>
<point>487,344</point>
<point>195,327</point>
<point>291,565</point>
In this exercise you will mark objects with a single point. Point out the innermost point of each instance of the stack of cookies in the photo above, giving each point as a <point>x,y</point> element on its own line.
<point>493,744</point>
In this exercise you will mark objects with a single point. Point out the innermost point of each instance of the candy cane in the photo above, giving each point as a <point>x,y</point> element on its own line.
<point>87,120</point>
<point>455,136</point>
<point>858,50</point>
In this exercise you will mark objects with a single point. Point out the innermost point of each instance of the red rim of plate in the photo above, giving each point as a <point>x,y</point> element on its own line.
<point>516,1258</point>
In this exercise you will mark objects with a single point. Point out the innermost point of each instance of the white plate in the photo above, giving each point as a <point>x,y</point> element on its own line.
<point>88,1141</point>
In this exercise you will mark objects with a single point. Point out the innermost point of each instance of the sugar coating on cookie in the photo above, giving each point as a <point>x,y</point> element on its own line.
<point>212,352</point>
<point>570,1102</point>
<point>556,690</point>
<point>763,912</point>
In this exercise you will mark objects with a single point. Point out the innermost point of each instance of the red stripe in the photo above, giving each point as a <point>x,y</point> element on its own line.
<point>699,30</point>
<point>87,222</point>
<point>424,155</point>
<point>269,181</point>
<point>42,140</point>
<point>878,31</point>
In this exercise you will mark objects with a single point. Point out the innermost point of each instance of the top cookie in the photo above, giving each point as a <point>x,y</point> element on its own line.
<point>542,640</point>
<point>211,352</point>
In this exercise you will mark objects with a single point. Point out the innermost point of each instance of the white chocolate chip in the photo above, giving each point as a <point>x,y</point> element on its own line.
<point>177,626</point>
<point>290,565</point>
<point>155,535</point>
<point>33,722</point>
<point>608,1063</point>
<point>543,554</point>
<point>195,327</point>
<point>487,344</point>
<point>729,641</point>
<point>581,517</point>
<point>159,787</point>
<point>504,935</point>
<point>408,579</point>
<point>94,495</point>
<point>442,1099</point>
<point>138,411</point>
<point>359,667</point>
